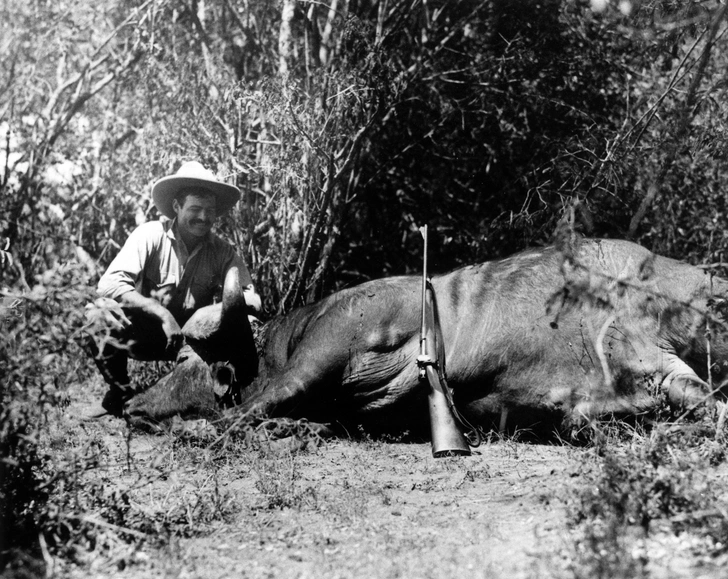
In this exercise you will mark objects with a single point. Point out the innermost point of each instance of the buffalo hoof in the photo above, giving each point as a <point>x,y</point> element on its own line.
<point>690,398</point>
<point>147,425</point>
<point>199,430</point>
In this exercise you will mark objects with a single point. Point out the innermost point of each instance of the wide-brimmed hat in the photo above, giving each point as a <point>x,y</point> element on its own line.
<point>193,174</point>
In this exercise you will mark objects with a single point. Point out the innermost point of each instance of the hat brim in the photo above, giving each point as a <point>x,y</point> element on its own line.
<point>166,189</point>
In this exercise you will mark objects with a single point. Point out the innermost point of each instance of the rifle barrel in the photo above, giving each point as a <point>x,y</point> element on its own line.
<point>423,328</point>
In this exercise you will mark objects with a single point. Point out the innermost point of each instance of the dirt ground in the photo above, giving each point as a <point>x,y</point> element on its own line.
<point>342,509</point>
<point>392,511</point>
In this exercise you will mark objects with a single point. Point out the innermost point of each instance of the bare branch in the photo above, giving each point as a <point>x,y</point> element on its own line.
<point>682,124</point>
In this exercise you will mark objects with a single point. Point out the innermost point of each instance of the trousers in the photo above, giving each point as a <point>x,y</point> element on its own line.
<point>114,334</point>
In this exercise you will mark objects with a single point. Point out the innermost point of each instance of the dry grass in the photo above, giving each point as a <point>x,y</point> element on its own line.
<point>652,504</point>
<point>166,506</point>
<point>635,503</point>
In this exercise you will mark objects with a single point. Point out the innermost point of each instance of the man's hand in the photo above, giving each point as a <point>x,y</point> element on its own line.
<point>252,299</point>
<point>173,332</point>
<point>151,307</point>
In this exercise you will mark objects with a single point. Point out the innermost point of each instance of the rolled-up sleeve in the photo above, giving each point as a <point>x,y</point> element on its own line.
<point>126,269</point>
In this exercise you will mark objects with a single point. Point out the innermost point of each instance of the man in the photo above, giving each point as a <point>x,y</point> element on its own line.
<point>165,271</point>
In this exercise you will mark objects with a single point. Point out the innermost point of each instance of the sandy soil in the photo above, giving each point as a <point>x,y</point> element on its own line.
<point>343,509</point>
<point>394,511</point>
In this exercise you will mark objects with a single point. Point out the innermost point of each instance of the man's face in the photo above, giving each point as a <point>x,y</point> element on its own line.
<point>196,215</point>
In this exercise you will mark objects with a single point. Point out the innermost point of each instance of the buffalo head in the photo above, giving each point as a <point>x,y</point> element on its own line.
<point>217,359</point>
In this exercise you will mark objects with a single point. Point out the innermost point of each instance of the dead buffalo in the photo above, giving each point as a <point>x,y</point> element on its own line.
<point>549,336</point>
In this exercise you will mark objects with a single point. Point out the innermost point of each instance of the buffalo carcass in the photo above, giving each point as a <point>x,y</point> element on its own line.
<point>549,336</point>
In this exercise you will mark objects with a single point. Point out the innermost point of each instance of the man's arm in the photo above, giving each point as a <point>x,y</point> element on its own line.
<point>125,271</point>
<point>134,301</point>
<point>119,282</point>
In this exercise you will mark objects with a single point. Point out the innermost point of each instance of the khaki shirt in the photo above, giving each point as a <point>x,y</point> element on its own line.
<point>155,263</point>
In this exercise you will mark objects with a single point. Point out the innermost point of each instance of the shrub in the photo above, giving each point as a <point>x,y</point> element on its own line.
<point>38,358</point>
<point>654,483</point>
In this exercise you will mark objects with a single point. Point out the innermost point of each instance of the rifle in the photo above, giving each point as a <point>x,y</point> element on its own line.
<point>447,440</point>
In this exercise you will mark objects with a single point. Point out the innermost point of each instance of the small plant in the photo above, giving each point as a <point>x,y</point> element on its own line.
<point>658,481</point>
<point>262,433</point>
<point>38,355</point>
<point>278,481</point>
<point>20,489</point>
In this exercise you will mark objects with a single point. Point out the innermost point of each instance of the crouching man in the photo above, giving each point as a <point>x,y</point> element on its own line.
<point>165,271</point>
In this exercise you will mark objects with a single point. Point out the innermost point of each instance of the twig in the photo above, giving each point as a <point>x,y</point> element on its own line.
<point>720,425</point>
<point>702,514</point>
<point>682,126</point>
<point>94,521</point>
<point>50,563</point>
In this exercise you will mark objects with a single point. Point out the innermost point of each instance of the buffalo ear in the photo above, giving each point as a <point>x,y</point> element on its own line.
<point>223,377</point>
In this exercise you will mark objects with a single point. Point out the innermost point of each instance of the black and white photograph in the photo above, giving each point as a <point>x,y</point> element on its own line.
<point>363,289</point>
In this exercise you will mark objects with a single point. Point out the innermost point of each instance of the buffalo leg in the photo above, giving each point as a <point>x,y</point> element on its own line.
<point>685,390</point>
<point>619,406</point>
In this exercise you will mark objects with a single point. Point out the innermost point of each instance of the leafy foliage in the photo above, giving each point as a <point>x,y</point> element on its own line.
<point>347,125</point>
<point>38,356</point>
<point>641,489</point>
<point>513,122</point>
